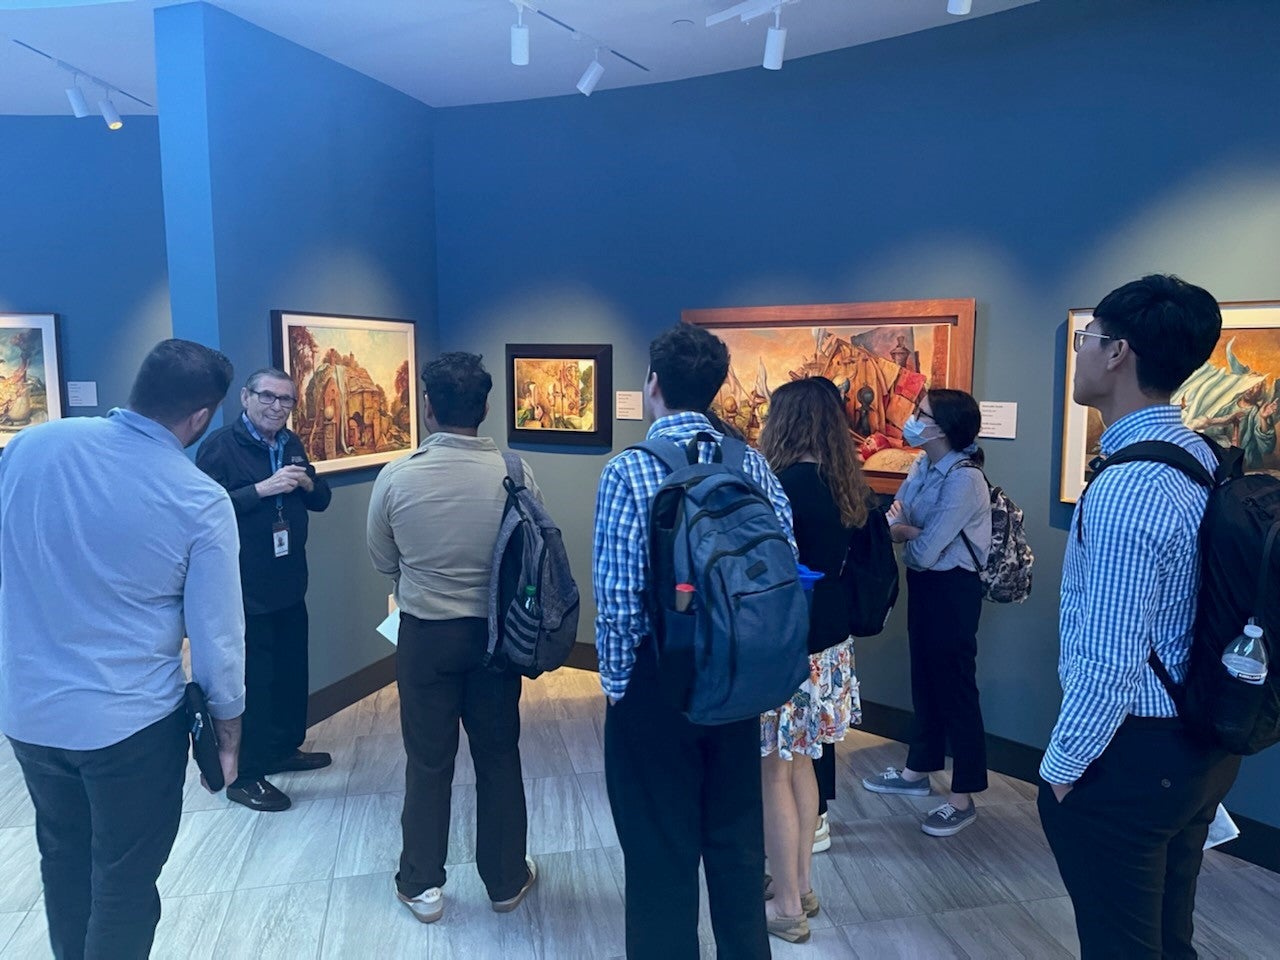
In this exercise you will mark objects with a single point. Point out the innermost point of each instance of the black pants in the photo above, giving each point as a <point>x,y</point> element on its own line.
<point>441,681</point>
<point>275,680</point>
<point>681,793</point>
<point>105,823</point>
<point>942,629</point>
<point>1129,839</point>
<point>824,770</point>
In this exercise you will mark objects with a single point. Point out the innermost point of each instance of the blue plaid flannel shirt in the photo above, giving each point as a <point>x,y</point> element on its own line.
<point>620,571</point>
<point>1130,585</point>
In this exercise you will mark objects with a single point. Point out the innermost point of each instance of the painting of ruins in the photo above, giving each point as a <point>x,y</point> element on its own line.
<point>559,394</point>
<point>357,406</point>
<point>1234,398</point>
<point>882,357</point>
<point>30,381</point>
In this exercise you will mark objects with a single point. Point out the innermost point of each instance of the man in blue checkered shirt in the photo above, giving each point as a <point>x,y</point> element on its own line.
<point>1128,796</point>
<point>680,793</point>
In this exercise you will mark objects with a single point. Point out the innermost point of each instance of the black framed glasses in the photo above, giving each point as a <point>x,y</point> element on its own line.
<point>268,399</point>
<point>1077,341</point>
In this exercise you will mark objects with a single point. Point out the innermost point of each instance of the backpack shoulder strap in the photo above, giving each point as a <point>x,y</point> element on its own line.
<point>664,450</point>
<point>1152,451</point>
<point>515,467</point>
<point>734,452</point>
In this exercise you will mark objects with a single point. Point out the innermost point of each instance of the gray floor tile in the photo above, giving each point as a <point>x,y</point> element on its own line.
<point>1002,932</point>
<point>462,824</point>
<point>542,751</point>
<point>559,819</point>
<point>1058,918</point>
<point>829,943</point>
<point>31,940</point>
<point>325,783</point>
<point>20,882</point>
<point>195,797</point>
<point>15,803</point>
<point>584,741</point>
<point>870,891</point>
<point>464,768</point>
<point>378,765</point>
<point>295,846</point>
<point>470,929</point>
<point>370,840</point>
<point>578,910</point>
<point>209,852</point>
<point>9,923</point>
<point>189,927</point>
<point>596,796</point>
<point>364,913</point>
<point>275,923</point>
<point>1239,908</point>
<point>1006,842</point>
<point>908,938</point>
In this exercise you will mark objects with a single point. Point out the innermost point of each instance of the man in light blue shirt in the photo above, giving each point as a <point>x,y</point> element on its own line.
<point>1128,795</point>
<point>112,547</point>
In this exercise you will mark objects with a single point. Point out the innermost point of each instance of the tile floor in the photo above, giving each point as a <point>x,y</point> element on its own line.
<point>315,882</point>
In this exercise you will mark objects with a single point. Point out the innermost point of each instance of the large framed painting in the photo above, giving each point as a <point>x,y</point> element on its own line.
<point>560,394</point>
<point>354,375</point>
<point>1234,398</point>
<point>30,372</point>
<point>881,356</point>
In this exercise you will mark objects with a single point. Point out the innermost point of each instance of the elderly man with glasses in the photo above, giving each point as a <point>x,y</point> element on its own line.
<point>264,468</point>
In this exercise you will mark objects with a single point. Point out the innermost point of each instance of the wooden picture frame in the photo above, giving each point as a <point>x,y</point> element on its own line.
<point>31,387</point>
<point>357,403</point>
<point>863,348</point>
<point>560,394</point>
<point>1217,398</point>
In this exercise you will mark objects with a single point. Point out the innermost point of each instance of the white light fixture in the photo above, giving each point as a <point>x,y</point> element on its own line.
<point>776,43</point>
<point>959,8</point>
<point>76,98</point>
<point>109,113</point>
<point>591,76</point>
<point>519,40</point>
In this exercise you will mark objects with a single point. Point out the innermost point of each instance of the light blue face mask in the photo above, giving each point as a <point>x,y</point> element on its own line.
<point>913,431</point>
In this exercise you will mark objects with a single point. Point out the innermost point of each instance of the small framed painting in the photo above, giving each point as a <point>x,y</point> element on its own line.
<point>1234,398</point>
<point>354,377</point>
<point>30,372</point>
<point>560,394</point>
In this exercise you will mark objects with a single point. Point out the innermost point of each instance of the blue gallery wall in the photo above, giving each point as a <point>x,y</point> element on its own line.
<point>1033,160</point>
<point>292,182</point>
<point>83,237</point>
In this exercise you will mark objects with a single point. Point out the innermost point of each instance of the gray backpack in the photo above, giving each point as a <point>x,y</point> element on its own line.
<point>737,644</point>
<point>533,600</point>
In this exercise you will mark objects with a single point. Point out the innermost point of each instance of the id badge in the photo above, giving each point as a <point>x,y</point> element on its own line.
<point>280,538</point>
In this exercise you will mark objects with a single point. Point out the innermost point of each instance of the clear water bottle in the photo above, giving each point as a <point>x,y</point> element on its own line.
<point>530,601</point>
<point>1246,657</point>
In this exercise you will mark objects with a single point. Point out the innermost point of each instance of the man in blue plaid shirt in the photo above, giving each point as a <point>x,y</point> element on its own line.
<point>680,793</point>
<point>1128,796</point>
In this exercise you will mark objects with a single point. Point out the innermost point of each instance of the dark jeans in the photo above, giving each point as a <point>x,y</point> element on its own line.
<point>105,823</point>
<point>275,680</point>
<point>943,607</point>
<point>1129,839</point>
<point>441,681</point>
<point>824,770</point>
<point>681,793</point>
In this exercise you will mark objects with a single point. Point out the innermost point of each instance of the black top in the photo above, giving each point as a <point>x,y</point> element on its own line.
<point>237,461</point>
<point>821,538</point>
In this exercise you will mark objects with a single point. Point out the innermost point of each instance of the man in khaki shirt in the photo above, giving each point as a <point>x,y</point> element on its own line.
<point>433,521</point>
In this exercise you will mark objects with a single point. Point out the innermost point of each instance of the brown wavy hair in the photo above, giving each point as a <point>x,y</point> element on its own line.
<point>806,419</point>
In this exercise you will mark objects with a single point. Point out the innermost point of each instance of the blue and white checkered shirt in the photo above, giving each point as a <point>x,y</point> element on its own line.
<point>1130,585</point>
<point>620,571</point>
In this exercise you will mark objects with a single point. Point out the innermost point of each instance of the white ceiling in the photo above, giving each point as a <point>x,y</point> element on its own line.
<point>449,52</point>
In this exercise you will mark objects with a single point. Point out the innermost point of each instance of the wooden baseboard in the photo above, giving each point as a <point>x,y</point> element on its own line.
<point>327,701</point>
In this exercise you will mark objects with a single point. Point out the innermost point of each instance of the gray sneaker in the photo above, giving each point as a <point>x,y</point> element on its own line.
<point>891,781</point>
<point>947,821</point>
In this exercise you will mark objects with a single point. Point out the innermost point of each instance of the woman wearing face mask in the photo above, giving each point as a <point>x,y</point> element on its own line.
<point>943,501</point>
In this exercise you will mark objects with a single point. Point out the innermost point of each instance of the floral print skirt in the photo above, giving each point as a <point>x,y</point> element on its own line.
<point>820,712</point>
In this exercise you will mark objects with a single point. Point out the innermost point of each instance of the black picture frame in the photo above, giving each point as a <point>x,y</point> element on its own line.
<point>556,403</point>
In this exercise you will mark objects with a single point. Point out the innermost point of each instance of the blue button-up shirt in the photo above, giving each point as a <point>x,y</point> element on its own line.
<point>1130,585</point>
<point>110,539</point>
<point>620,572</point>
<point>944,500</point>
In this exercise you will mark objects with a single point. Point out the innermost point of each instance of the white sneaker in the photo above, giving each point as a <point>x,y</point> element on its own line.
<point>822,835</point>
<point>427,907</point>
<point>506,906</point>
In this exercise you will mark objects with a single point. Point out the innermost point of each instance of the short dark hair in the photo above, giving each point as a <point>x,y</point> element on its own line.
<point>265,373</point>
<point>1171,326</point>
<point>458,386</point>
<point>957,415</point>
<point>691,364</point>
<point>177,378</point>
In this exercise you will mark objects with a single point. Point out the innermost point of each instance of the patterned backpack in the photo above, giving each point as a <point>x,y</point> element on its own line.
<point>1007,576</point>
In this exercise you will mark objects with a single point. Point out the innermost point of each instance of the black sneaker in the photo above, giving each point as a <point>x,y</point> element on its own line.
<point>300,761</point>
<point>258,795</point>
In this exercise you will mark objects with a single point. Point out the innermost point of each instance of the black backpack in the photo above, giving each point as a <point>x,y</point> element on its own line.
<point>1239,579</point>
<point>863,592</point>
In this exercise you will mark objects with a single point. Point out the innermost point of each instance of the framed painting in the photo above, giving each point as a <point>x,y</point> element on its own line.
<point>1234,398</point>
<point>354,376</point>
<point>560,394</point>
<point>30,372</point>
<point>881,356</point>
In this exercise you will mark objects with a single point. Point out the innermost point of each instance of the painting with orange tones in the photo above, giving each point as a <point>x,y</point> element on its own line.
<point>1234,398</point>
<point>559,394</point>
<point>30,380</point>
<point>882,366</point>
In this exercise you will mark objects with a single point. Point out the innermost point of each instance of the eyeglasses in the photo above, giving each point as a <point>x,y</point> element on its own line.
<point>1078,340</point>
<point>267,399</point>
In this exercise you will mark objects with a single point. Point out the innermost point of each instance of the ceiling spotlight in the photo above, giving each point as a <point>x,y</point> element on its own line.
<point>76,97</point>
<point>110,114</point>
<point>959,8</point>
<point>591,76</point>
<point>776,43</point>
<point>519,40</point>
